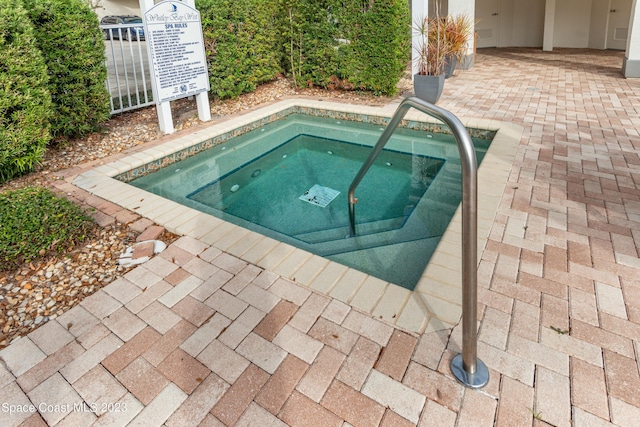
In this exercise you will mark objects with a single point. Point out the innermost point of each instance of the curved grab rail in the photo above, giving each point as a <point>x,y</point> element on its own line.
<point>466,367</point>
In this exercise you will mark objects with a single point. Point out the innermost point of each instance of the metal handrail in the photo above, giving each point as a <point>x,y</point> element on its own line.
<point>466,367</point>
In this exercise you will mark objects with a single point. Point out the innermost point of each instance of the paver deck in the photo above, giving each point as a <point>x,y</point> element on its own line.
<point>197,336</point>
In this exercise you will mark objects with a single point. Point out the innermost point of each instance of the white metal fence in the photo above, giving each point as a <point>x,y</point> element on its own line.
<point>128,73</point>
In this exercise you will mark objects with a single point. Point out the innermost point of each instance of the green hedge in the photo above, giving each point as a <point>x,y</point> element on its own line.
<point>311,43</point>
<point>348,45</point>
<point>68,35</point>
<point>378,51</point>
<point>326,43</point>
<point>242,44</point>
<point>25,103</point>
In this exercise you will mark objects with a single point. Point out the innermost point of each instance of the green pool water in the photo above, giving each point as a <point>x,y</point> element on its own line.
<point>289,180</point>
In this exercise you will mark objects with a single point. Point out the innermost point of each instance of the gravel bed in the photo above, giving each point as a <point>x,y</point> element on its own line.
<point>44,289</point>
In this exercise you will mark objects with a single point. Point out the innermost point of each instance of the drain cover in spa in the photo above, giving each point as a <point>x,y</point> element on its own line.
<point>319,195</point>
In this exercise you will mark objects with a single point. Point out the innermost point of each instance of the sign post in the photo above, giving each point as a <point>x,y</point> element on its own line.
<point>175,45</point>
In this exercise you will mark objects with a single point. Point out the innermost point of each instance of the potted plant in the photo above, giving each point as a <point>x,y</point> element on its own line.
<point>431,53</point>
<point>442,43</point>
<point>458,30</point>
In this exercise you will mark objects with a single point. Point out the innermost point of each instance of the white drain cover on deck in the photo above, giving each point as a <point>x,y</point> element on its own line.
<point>319,195</point>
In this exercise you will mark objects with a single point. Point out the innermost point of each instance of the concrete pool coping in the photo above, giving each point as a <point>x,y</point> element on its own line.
<point>434,304</point>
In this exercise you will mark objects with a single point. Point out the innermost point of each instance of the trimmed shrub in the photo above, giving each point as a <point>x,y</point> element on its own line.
<point>69,37</point>
<point>24,98</point>
<point>326,43</point>
<point>379,35</point>
<point>312,41</point>
<point>347,45</point>
<point>241,43</point>
<point>35,222</point>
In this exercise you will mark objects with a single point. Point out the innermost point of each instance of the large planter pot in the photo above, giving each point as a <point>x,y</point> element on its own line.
<point>428,88</point>
<point>450,66</point>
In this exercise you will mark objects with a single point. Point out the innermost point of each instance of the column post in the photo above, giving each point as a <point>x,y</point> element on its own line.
<point>549,24</point>
<point>419,11</point>
<point>465,7</point>
<point>631,62</point>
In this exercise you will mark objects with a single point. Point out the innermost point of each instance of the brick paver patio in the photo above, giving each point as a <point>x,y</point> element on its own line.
<point>196,336</point>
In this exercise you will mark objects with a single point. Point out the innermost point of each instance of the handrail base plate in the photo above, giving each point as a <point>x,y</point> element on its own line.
<point>477,380</point>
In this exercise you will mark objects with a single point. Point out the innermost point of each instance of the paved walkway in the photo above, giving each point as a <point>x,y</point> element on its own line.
<point>198,337</point>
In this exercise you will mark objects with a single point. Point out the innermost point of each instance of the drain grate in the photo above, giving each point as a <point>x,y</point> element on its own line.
<point>319,195</point>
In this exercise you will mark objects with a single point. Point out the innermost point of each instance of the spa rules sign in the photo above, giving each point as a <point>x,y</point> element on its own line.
<point>176,49</point>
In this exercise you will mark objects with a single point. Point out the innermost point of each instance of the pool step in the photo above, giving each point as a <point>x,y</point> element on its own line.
<point>342,232</point>
<point>373,234</point>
